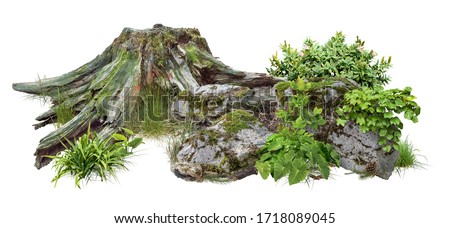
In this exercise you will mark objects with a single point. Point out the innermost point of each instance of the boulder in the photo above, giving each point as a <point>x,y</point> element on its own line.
<point>359,152</point>
<point>209,102</point>
<point>225,151</point>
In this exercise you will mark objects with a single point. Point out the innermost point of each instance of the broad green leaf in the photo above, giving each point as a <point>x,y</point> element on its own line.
<point>280,170</point>
<point>395,120</point>
<point>265,157</point>
<point>289,156</point>
<point>119,137</point>
<point>135,142</point>
<point>321,122</point>
<point>383,132</point>
<point>317,111</point>
<point>388,115</point>
<point>275,145</point>
<point>272,137</point>
<point>389,136</point>
<point>382,141</point>
<point>264,169</point>
<point>336,157</point>
<point>341,122</point>
<point>127,131</point>
<point>298,172</point>
<point>324,167</point>
<point>299,123</point>
<point>360,120</point>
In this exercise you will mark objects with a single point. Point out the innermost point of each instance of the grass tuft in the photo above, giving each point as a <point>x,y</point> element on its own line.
<point>175,143</point>
<point>64,114</point>
<point>408,157</point>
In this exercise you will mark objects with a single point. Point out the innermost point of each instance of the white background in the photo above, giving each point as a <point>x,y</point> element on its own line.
<point>52,38</point>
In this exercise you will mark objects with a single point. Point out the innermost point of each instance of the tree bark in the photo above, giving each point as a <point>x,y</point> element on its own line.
<point>161,57</point>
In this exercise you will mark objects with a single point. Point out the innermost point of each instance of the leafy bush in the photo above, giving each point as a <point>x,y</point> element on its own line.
<point>90,156</point>
<point>373,110</point>
<point>294,152</point>
<point>333,59</point>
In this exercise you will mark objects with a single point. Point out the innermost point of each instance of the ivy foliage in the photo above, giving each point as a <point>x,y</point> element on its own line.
<point>373,110</point>
<point>333,59</point>
<point>293,152</point>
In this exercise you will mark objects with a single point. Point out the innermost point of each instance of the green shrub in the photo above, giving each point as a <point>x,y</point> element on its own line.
<point>373,110</point>
<point>333,59</point>
<point>91,157</point>
<point>293,152</point>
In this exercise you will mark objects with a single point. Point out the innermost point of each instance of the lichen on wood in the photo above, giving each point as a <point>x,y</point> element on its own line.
<point>172,59</point>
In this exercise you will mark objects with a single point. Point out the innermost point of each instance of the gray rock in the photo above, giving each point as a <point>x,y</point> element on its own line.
<point>359,152</point>
<point>213,101</point>
<point>210,101</point>
<point>217,152</point>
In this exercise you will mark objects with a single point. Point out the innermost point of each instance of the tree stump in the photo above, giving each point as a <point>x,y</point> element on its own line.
<point>163,57</point>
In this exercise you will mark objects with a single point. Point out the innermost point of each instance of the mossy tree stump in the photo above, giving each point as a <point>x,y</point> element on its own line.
<point>162,57</point>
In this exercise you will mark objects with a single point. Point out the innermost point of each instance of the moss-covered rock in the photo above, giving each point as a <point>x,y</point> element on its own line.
<point>225,150</point>
<point>359,152</point>
<point>209,102</point>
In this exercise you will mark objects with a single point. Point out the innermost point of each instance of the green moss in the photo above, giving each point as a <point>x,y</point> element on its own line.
<point>211,168</point>
<point>210,137</point>
<point>184,94</point>
<point>242,92</point>
<point>160,43</point>
<point>192,54</point>
<point>237,120</point>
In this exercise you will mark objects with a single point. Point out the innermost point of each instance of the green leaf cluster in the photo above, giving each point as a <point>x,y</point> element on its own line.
<point>293,152</point>
<point>333,59</point>
<point>90,156</point>
<point>373,110</point>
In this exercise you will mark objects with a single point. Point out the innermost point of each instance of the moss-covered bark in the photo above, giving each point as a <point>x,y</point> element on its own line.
<point>172,59</point>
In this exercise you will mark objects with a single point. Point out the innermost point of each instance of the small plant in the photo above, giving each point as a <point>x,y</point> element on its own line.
<point>293,152</point>
<point>63,112</point>
<point>175,143</point>
<point>150,113</point>
<point>373,110</point>
<point>91,157</point>
<point>333,59</point>
<point>407,156</point>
